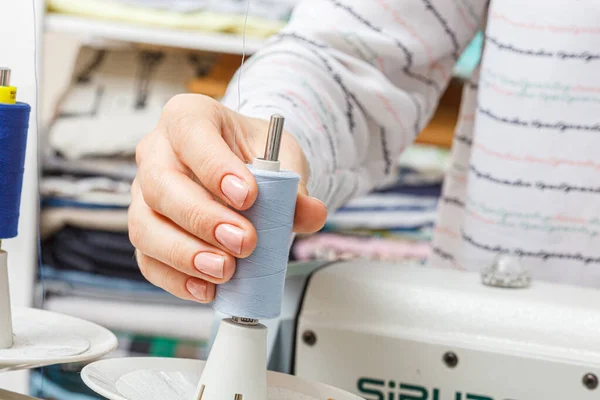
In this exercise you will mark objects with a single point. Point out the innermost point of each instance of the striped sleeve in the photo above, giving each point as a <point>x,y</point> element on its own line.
<point>356,81</point>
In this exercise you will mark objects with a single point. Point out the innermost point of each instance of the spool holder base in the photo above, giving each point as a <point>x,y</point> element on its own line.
<point>236,368</point>
<point>6,324</point>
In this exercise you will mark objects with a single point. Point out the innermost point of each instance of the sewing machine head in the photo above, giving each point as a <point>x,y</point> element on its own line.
<point>388,331</point>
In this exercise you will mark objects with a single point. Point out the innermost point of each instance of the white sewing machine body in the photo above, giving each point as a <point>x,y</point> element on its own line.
<point>392,332</point>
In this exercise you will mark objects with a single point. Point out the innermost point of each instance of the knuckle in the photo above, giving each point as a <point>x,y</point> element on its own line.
<point>137,225</point>
<point>144,150</point>
<point>140,151</point>
<point>177,255</point>
<point>134,190</point>
<point>198,219</point>
<point>211,108</point>
<point>153,187</point>
<point>181,102</point>
<point>134,231</point>
<point>153,178</point>
<point>168,281</point>
<point>175,104</point>
<point>180,121</point>
<point>211,166</point>
<point>142,265</point>
<point>179,128</point>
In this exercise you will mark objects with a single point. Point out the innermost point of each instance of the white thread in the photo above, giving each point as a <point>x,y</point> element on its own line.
<point>239,77</point>
<point>39,175</point>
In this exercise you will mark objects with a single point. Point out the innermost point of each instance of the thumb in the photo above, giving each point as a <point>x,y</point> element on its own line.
<point>311,213</point>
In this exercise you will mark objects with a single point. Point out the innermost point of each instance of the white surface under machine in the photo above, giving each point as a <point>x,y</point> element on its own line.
<point>392,332</point>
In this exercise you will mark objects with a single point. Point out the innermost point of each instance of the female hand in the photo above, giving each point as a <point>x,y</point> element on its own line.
<point>182,218</point>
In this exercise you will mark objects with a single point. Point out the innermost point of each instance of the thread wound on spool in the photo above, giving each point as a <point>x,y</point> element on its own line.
<point>256,289</point>
<point>14,123</point>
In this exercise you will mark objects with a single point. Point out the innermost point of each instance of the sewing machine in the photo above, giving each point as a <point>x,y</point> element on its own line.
<point>387,331</point>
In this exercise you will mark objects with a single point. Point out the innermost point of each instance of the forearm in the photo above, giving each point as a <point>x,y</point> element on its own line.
<point>354,95</point>
<point>293,80</point>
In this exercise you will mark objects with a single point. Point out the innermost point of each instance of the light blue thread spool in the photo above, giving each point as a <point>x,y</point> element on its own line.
<point>256,289</point>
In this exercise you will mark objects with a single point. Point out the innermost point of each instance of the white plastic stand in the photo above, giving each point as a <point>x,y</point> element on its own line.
<point>44,338</point>
<point>31,338</point>
<point>236,368</point>
<point>6,331</point>
<point>176,379</point>
<point>22,55</point>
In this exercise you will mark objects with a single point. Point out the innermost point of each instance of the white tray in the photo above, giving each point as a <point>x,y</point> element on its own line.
<point>176,379</point>
<point>44,338</point>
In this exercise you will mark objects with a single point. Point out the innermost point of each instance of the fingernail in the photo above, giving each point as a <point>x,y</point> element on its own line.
<point>196,289</point>
<point>210,264</point>
<point>231,237</point>
<point>235,190</point>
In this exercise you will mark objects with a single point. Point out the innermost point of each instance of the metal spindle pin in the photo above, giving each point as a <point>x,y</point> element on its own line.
<point>274,138</point>
<point>4,76</point>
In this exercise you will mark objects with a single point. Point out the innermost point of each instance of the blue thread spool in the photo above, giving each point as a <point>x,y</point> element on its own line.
<point>14,123</point>
<point>256,289</point>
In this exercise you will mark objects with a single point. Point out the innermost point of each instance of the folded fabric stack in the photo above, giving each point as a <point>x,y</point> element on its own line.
<point>393,223</point>
<point>265,17</point>
<point>269,9</point>
<point>115,99</point>
<point>85,249</point>
<point>95,264</point>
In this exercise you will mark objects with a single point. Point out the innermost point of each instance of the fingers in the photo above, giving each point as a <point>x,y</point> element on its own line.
<point>156,237</point>
<point>195,125</point>
<point>178,198</point>
<point>310,216</point>
<point>197,138</point>
<point>186,239</point>
<point>174,281</point>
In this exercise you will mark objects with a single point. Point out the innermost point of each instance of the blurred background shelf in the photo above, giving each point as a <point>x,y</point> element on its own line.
<point>191,322</point>
<point>87,28</point>
<point>440,130</point>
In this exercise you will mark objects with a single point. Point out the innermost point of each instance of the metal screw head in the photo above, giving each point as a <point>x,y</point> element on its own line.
<point>450,359</point>
<point>590,381</point>
<point>309,338</point>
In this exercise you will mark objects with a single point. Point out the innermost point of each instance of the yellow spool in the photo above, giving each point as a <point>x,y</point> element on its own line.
<point>8,94</point>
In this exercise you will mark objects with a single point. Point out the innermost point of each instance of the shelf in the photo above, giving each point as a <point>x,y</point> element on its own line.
<point>192,322</point>
<point>440,130</point>
<point>87,28</point>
